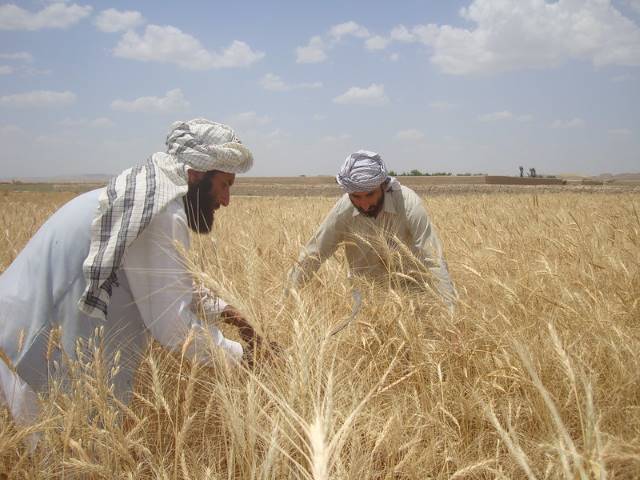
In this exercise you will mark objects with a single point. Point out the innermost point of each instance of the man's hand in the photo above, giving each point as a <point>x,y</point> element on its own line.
<point>231,316</point>
<point>255,344</point>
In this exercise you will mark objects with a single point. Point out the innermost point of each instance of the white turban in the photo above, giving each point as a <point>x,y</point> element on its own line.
<point>132,199</point>
<point>364,171</point>
<point>205,145</point>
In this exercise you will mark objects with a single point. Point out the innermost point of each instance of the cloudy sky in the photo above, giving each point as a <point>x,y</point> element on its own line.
<point>460,86</point>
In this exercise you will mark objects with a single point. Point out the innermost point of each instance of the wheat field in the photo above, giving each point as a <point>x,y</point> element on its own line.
<point>535,375</point>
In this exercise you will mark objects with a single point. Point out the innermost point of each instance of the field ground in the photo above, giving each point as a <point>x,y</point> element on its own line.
<point>325,186</point>
<point>535,375</point>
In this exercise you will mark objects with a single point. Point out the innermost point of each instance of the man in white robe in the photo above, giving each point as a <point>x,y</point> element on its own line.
<point>108,259</point>
<point>375,206</point>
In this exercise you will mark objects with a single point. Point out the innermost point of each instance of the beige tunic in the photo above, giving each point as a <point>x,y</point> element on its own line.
<point>400,240</point>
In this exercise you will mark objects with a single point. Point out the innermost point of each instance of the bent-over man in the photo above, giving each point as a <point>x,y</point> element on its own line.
<point>109,259</point>
<point>374,205</point>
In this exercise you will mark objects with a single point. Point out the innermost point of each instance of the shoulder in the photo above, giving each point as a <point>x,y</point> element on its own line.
<point>339,215</point>
<point>412,203</point>
<point>411,199</point>
<point>343,208</point>
<point>175,208</point>
<point>409,196</point>
<point>170,218</point>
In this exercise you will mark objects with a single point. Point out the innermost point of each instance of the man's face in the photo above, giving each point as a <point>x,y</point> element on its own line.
<point>368,203</point>
<point>207,192</point>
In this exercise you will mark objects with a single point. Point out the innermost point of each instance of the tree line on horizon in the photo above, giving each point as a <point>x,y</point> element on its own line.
<point>417,173</point>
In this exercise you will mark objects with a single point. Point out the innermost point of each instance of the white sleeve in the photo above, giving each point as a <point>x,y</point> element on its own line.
<point>209,302</point>
<point>162,287</point>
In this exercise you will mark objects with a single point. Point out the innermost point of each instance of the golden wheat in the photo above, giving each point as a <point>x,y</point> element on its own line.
<point>535,375</point>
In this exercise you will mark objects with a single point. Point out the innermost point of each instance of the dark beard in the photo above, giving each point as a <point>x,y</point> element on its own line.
<point>374,210</point>
<point>199,205</point>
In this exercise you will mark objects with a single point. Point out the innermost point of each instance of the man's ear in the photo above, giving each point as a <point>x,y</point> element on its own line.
<point>194,176</point>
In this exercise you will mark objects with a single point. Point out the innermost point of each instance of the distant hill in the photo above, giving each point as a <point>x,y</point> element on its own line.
<point>605,178</point>
<point>87,178</point>
<point>619,178</point>
<point>103,178</point>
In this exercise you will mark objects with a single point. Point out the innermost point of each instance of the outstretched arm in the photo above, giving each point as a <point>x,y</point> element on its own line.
<point>321,246</point>
<point>428,248</point>
<point>162,288</point>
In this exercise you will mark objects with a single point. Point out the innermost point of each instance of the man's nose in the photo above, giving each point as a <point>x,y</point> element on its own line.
<point>366,203</point>
<point>225,198</point>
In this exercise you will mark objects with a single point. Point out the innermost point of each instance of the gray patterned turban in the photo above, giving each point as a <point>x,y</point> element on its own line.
<point>205,145</point>
<point>364,171</point>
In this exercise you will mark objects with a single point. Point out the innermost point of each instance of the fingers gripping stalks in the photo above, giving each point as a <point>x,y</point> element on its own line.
<point>257,348</point>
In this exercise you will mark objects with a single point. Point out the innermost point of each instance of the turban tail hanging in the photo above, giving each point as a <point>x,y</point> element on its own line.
<point>132,199</point>
<point>364,171</point>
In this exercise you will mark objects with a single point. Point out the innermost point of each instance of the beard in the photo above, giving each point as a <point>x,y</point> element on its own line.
<point>200,205</point>
<point>373,210</point>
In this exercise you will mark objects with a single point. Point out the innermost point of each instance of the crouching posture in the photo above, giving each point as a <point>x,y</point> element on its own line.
<point>109,260</point>
<point>375,208</point>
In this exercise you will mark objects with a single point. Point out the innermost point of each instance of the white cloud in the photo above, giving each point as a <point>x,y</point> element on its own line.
<point>394,57</point>
<point>427,34</point>
<point>504,115</point>
<point>57,15</point>
<point>634,4</point>
<point>509,35</point>
<point>496,116</point>
<point>18,56</point>
<point>565,124</point>
<point>516,34</point>
<point>112,20</point>
<point>625,77</point>
<point>34,71</point>
<point>59,139</point>
<point>336,138</point>
<point>377,43</point>
<point>400,33</point>
<point>248,120</point>
<point>100,122</point>
<point>308,85</point>
<point>170,45</point>
<point>314,52</point>
<point>348,29</point>
<point>411,135</point>
<point>319,116</point>
<point>372,95</point>
<point>10,130</point>
<point>276,138</point>
<point>273,139</point>
<point>274,83</point>
<point>173,101</point>
<point>38,98</point>
<point>22,64</point>
<point>620,132</point>
<point>442,105</point>
<point>238,54</point>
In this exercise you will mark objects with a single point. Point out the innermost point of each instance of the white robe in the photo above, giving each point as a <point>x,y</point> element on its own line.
<point>41,288</point>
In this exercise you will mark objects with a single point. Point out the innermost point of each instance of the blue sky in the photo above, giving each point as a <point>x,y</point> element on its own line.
<point>470,86</point>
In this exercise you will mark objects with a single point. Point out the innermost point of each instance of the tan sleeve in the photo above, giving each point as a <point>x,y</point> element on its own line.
<point>428,248</point>
<point>321,246</point>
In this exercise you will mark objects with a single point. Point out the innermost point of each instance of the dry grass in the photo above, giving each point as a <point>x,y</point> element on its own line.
<point>536,375</point>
